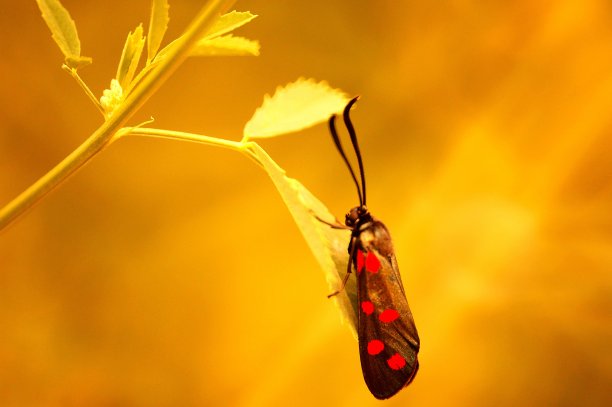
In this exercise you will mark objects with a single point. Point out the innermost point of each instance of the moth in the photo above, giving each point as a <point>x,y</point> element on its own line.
<point>388,338</point>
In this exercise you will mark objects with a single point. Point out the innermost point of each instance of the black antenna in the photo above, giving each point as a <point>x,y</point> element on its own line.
<point>332,129</point>
<point>351,130</point>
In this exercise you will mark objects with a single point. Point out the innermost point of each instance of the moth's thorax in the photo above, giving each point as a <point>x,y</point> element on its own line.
<point>373,235</point>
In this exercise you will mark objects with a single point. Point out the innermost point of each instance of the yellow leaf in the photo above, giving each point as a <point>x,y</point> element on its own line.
<point>229,22</point>
<point>77,62</point>
<point>226,23</point>
<point>225,45</point>
<point>157,26</point>
<point>328,245</point>
<point>63,31</point>
<point>130,57</point>
<point>298,105</point>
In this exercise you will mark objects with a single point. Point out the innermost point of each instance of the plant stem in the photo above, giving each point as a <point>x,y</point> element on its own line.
<point>244,148</point>
<point>104,134</point>
<point>73,72</point>
<point>179,135</point>
<point>94,144</point>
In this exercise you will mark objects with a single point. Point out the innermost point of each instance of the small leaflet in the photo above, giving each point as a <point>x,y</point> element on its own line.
<point>130,57</point>
<point>77,62</point>
<point>63,31</point>
<point>229,45</point>
<point>328,245</point>
<point>225,45</point>
<point>296,106</point>
<point>229,22</point>
<point>157,26</point>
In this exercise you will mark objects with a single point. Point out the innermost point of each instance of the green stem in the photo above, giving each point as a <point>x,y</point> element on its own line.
<point>104,134</point>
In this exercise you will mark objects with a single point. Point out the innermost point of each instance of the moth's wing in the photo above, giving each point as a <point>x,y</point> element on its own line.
<point>388,339</point>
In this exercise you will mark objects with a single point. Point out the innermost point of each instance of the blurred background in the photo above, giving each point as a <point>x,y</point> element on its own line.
<point>171,274</point>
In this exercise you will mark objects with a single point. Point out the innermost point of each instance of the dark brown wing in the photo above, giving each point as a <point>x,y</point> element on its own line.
<point>388,339</point>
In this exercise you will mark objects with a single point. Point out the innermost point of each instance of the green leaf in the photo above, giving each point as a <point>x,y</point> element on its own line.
<point>157,26</point>
<point>229,22</point>
<point>63,31</point>
<point>328,245</point>
<point>130,57</point>
<point>225,45</point>
<point>298,105</point>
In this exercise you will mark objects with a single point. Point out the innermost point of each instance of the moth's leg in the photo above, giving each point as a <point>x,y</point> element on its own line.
<point>349,268</point>
<point>336,225</point>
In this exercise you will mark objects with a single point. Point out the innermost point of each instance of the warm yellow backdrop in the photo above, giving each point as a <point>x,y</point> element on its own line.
<point>170,274</point>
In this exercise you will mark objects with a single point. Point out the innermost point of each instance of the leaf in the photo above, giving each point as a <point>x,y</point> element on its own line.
<point>157,26</point>
<point>225,45</point>
<point>165,50</point>
<point>130,57</point>
<point>63,31</point>
<point>298,105</point>
<point>328,245</point>
<point>229,22</point>
<point>77,62</point>
<point>223,25</point>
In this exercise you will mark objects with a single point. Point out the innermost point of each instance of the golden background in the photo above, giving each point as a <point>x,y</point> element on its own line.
<point>171,274</point>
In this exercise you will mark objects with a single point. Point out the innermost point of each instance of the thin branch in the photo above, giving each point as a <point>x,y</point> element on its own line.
<point>244,148</point>
<point>179,135</point>
<point>73,72</point>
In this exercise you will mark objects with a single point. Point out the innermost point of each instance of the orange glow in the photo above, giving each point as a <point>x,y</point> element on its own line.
<point>171,274</point>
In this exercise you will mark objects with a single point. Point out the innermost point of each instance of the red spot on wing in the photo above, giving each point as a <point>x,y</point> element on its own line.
<point>375,347</point>
<point>388,315</point>
<point>372,264</point>
<point>396,362</point>
<point>360,260</point>
<point>367,307</point>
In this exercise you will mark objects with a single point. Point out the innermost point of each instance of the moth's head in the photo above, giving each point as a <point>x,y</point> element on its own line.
<point>356,215</point>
